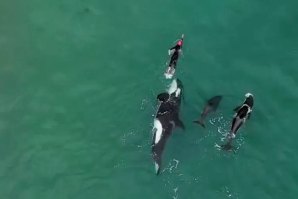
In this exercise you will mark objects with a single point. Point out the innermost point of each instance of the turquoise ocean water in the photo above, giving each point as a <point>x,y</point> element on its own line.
<point>78,81</point>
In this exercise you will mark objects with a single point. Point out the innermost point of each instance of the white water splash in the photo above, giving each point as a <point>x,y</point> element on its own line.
<point>223,128</point>
<point>173,164</point>
<point>119,165</point>
<point>228,193</point>
<point>175,193</point>
<point>144,104</point>
<point>126,136</point>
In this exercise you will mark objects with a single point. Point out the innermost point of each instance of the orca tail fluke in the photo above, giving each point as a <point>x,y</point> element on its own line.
<point>200,122</point>
<point>228,146</point>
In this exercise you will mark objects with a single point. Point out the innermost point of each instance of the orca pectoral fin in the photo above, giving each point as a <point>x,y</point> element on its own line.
<point>180,124</point>
<point>157,164</point>
<point>200,122</point>
<point>153,139</point>
<point>248,116</point>
<point>237,108</point>
<point>157,168</point>
<point>156,154</point>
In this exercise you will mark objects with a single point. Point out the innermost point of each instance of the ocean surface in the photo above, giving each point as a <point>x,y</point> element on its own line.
<point>78,86</point>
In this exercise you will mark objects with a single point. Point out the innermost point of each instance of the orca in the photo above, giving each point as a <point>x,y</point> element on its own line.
<point>166,119</point>
<point>210,106</point>
<point>243,113</point>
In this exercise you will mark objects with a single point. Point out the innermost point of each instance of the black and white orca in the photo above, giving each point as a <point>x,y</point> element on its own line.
<point>242,114</point>
<point>166,119</point>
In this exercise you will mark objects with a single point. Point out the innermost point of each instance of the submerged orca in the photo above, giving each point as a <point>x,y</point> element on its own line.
<point>210,106</point>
